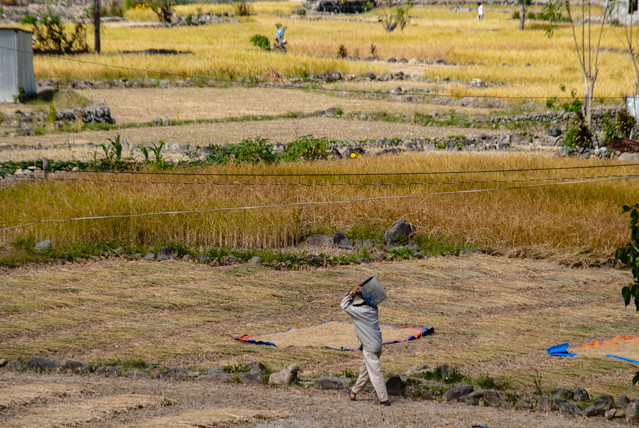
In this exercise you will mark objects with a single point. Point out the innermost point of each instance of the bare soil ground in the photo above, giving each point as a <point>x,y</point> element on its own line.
<point>492,315</point>
<point>111,402</point>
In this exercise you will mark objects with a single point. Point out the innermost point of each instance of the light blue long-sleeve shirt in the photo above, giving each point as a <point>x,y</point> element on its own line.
<point>366,320</point>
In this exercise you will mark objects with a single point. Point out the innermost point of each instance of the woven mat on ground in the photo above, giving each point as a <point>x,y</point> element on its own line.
<point>331,334</point>
<point>621,347</point>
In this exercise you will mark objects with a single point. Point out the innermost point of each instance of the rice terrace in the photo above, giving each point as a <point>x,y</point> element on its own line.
<point>188,190</point>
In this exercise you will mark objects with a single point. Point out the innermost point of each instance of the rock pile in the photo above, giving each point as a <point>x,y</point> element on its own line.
<point>442,383</point>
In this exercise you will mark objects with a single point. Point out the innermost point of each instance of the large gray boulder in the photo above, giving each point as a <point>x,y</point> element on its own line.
<point>458,393</point>
<point>40,365</point>
<point>567,408</point>
<point>319,240</point>
<point>43,245</point>
<point>340,240</point>
<point>166,253</point>
<point>75,367</point>
<point>331,382</point>
<point>284,377</point>
<point>602,404</point>
<point>399,232</point>
<point>632,411</point>
<point>394,385</point>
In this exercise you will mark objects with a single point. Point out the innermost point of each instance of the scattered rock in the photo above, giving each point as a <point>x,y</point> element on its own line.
<point>416,370</point>
<point>632,411</point>
<point>600,406</point>
<point>149,257</point>
<point>340,240</point>
<point>554,132</point>
<point>580,395</point>
<point>252,377</point>
<point>136,373</point>
<point>494,399</point>
<point>175,373</point>
<point>457,393</point>
<point>186,258</point>
<point>563,393</point>
<point>256,367</point>
<point>72,366</point>
<point>623,401</point>
<point>401,230</point>
<point>257,260</point>
<point>218,377</point>
<point>43,245</point>
<point>567,408</point>
<point>166,253</point>
<point>448,371</point>
<point>543,405</point>
<point>331,382</point>
<point>108,371</point>
<point>394,385</point>
<point>3,362</point>
<point>397,91</point>
<point>284,377</point>
<point>471,401</point>
<point>319,240</point>
<point>40,365</point>
<point>13,366</point>
<point>204,259</point>
<point>614,413</point>
<point>230,259</point>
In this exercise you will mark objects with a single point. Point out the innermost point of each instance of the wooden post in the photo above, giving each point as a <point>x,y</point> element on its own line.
<point>96,24</point>
<point>45,167</point>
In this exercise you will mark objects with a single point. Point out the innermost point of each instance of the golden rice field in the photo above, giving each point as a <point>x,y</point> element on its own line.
<point>514,63</point>
<point>575,218</point>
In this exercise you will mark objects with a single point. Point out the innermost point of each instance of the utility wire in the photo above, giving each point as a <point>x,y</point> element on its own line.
<point>312,203</point>
<point>363,174</point>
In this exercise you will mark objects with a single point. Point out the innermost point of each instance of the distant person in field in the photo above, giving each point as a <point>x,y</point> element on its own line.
<point>366,320</point>
<point>480,11</point>
<point>279,34</point>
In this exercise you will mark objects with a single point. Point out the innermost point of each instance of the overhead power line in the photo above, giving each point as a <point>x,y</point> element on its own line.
<point>362,174</point>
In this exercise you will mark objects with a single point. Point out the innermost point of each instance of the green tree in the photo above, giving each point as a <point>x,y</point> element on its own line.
<point>395,13</point>
<point>629,256</point>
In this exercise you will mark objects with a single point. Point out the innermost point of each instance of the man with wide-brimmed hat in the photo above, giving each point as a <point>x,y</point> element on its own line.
<point>366,320</point>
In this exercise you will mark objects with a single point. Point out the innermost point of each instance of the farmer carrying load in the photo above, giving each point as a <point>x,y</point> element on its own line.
<point>366,319</point>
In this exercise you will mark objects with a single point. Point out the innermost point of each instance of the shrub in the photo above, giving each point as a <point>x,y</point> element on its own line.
<point>261,42</point>
<point>51,38</point>
<point>516,15</point>
<point>342,52</point>
<point>28,19</point>
<point>578,134</point>
<point>307,148</point>
<point>550,102</point>
<point>621,127</point>
<point>574,106</point>
<point>242,8</point>
<point>253,151</point>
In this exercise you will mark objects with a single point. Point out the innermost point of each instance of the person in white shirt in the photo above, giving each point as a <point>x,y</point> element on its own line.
<point>366,321</point>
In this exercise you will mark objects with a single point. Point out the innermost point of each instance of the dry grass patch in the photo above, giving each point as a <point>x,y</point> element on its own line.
<point>530,64</point>
<point>578,218</point>
<point>15,396</point>
<point>146,105</point>
<point>88,411</point>
<point>226,416</point>
<point>492,316</point>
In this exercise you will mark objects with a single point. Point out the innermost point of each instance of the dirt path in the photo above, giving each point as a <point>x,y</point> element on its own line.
<point>143,403</point>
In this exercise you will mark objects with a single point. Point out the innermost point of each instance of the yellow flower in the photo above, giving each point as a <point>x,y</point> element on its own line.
<point>353,155</point>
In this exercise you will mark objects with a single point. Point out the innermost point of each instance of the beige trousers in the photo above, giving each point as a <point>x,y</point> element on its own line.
<point>371,370</point>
